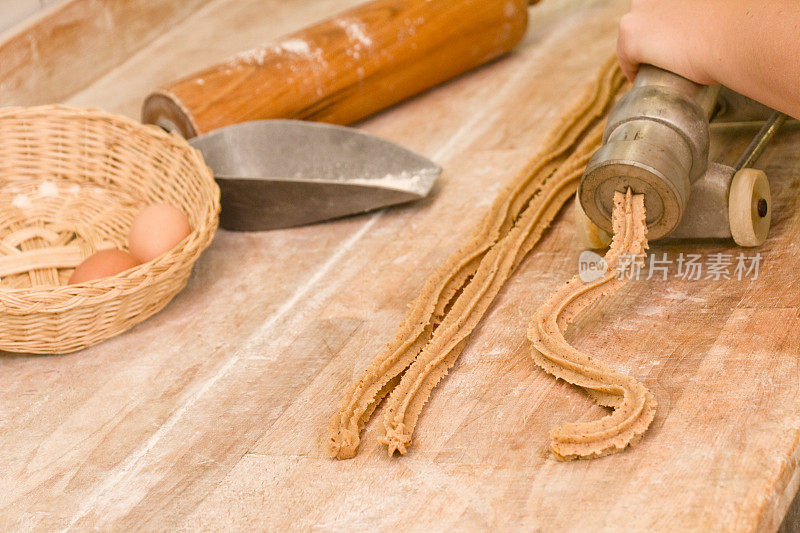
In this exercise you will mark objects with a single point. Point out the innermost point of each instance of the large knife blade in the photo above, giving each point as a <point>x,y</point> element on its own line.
<point>281,173</point>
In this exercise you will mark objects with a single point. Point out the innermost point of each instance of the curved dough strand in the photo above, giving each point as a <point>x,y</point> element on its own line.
<point>634,406</point>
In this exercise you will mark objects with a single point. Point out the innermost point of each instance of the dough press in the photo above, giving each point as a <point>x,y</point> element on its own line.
<point>656,142</point>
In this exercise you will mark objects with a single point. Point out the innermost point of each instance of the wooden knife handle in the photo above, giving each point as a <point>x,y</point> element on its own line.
<point>344,68</point>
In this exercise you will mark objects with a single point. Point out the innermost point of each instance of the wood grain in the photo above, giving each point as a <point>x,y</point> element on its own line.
<point>73,43</point>
<point>213,412</point>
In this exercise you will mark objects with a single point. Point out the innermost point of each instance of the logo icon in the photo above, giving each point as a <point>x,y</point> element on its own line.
<point>591,266</point>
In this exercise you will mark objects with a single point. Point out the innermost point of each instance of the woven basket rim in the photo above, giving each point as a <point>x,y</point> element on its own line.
<point>59,297</point>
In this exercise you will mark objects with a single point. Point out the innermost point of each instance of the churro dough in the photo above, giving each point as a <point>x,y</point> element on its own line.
<point>634,405</point>
<point>457,295</point>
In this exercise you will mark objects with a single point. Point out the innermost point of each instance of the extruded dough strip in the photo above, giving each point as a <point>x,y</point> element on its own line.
<point>634,405</point>
<point>433,304</point>
<point>431,365</point>
<point>363,396</point>
<point>393,437</point>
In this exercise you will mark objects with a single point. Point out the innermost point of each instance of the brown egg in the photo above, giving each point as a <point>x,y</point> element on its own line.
<point>157,229</point>
<point>103,264</point>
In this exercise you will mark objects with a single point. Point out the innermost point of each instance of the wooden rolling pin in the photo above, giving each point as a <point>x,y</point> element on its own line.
<point>344,68</point>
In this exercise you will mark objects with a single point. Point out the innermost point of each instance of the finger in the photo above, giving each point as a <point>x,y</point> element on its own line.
<point>629,67</point>
<point>625,39</point>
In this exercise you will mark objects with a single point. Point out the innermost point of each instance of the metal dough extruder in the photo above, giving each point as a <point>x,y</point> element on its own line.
<point>656,142</point>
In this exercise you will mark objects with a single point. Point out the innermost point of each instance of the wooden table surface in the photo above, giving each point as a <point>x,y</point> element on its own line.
<point>213,413</point>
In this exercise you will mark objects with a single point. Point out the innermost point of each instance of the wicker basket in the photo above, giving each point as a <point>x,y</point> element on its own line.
<point>71,182</point>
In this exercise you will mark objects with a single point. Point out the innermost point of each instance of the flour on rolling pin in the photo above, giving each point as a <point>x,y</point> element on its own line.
<point>356,32</point>
<point>344,68</point>
<point>258,56</point>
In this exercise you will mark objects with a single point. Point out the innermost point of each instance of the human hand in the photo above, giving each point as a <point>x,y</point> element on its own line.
<point>676,35</point>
